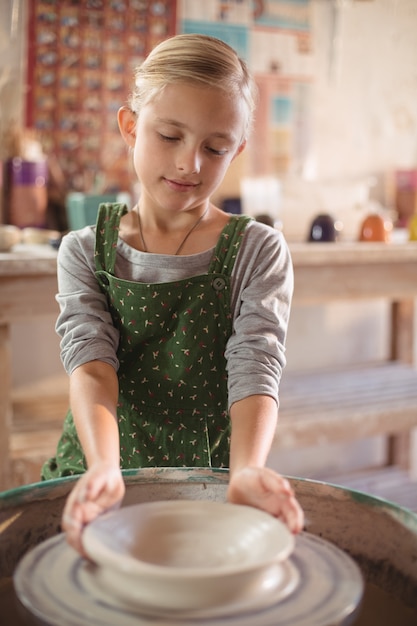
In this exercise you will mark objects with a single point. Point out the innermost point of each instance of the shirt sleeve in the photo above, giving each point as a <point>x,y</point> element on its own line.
<point>262,289</point>
<point>84,322</point>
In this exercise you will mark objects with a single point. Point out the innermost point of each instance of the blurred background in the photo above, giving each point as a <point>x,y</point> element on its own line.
<point>335,134</point>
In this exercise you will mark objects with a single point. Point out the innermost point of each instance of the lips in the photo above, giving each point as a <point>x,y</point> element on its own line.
<point>180,185</point>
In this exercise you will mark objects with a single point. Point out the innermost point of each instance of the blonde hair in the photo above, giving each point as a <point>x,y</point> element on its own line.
<point>194,58</point>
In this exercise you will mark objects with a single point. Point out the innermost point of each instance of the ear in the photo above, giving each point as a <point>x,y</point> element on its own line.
<point>240,149</point>
<point>127,125</point>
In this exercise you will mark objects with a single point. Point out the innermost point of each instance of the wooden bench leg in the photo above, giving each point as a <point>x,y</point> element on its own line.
<point>399,452</point>
<point>402,331</point>
<point>413,455</point>
<point>5,406</point>
<point>402,448</point>
<point>402,452</point>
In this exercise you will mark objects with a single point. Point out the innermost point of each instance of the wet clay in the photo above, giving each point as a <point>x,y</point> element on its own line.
<point>379,608</point>
<point>372,531</point>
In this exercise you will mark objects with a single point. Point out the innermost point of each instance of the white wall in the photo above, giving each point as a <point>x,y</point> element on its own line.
<point>364,113</point>
<point>364,126</point>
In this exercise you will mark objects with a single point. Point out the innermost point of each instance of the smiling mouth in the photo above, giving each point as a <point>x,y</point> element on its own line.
<point>180,184</point>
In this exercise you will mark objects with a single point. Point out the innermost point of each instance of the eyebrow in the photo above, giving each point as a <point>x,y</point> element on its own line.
<point>178,124</point>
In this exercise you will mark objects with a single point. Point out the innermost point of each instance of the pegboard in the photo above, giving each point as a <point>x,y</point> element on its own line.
<point>81,58</point>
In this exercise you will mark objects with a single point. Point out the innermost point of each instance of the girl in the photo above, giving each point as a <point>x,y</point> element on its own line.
<point>173,315</point>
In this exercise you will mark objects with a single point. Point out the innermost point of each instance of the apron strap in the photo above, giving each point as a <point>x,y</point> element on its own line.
<point>107,232</point>
<point>228,244</point>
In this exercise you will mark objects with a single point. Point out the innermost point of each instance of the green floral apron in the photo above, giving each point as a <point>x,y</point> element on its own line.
<point>172,408</point>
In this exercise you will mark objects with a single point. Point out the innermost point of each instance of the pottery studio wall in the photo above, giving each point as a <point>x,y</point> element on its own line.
<point>362,126</point>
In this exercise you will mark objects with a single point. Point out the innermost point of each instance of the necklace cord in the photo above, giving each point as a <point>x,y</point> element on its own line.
<point>145,248</point>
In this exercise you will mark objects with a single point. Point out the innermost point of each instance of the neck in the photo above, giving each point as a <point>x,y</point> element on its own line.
<point>187,235</point>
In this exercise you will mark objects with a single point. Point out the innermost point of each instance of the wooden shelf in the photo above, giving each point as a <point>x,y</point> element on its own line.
<point>347,404</point>
<point>390,483</point>
<point>39,410</point>
<point>41,402</point>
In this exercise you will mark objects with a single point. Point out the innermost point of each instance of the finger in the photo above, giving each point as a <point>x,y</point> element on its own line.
<point>73,527</point>
<point>68,513</point>
<point>90,490</point>
<point>105,490</point>
<point>275,483</point>
<point>107,501</point>
<point>77,495</point>
<point>287,487</point>
<point>76,514</point>
<point>292,514</point>
<point>281,501</point>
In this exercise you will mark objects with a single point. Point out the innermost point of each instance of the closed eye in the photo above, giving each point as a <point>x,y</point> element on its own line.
<point>217,152</point>
<point>172,139</point>
<point>167,137</point>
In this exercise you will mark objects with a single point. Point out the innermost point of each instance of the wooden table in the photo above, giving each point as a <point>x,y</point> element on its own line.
<point>323,272</point>
<point>28,285</point>
<point>344,404</point>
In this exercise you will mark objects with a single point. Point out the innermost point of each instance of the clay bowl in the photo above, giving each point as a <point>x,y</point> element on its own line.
<point>183,554</point>
<point>9,236</point>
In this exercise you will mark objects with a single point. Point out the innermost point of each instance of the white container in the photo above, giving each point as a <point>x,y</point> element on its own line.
<point>260,196</point>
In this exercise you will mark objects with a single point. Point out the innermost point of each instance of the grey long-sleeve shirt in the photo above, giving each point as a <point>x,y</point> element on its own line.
<point>262,284</point>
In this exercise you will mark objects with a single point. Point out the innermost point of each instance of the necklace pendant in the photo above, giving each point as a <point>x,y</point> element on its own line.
<point>144,246</point>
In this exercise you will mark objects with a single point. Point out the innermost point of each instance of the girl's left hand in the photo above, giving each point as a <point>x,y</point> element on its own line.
<point>264,489</point>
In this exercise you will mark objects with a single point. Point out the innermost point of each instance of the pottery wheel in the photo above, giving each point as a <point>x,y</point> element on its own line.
<point>320,585</point>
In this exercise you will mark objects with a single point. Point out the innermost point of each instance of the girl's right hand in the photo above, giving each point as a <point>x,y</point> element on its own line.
<point>101,488</point>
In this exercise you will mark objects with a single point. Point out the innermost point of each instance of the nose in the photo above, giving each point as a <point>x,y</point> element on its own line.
<point>189,160</point>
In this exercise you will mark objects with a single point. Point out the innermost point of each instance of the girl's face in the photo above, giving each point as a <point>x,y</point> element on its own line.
<point>183,142</point>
